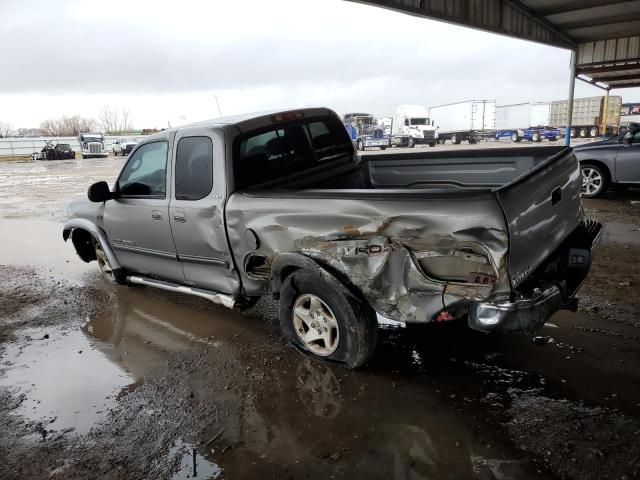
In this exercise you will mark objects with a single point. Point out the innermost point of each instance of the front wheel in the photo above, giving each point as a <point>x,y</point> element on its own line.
<point>432,144</point>
<point>107,270</point>
<point>594,181</point>
<point>411,142</point>
<point>321,318</point>
<point>535,137</point>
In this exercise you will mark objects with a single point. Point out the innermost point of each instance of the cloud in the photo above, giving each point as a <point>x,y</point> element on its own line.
<point>258,54</point>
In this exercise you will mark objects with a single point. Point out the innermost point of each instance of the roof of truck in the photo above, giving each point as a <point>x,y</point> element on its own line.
<point>257,119</point>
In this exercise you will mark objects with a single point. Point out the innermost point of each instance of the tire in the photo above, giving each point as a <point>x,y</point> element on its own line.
<point>455,139</point>
<point>515,138</point>
<point>535,137</point>
<point>383,148</point>
<point>432,144</point>
<point>595,180</point>
<point>360,146</point>
<point>593,132</point>
<point>411,142</point>
<point>112,275</point>
<point>553,139</point>
<point>472,141</point>
<point>583,133</point>
<point>572,132</point>
<point>350,324</point>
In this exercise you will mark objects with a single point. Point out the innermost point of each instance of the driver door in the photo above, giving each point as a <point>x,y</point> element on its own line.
<point>628,160</point>
<point>137,220</point>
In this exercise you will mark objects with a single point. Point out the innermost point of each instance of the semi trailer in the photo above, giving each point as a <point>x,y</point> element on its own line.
<point>366,131</point>
<point>471,120</point>
<point>592,116</point>
<point>525,121</point>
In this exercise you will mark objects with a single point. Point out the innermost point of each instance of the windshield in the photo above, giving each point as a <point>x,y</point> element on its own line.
<point>420,121</point>
<point>92,139</point>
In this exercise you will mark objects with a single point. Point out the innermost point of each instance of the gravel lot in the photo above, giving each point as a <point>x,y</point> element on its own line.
<point>103,381</point>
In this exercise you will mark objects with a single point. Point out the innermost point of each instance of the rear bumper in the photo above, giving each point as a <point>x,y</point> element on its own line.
<point>570,265</point>
<point>528,314</point>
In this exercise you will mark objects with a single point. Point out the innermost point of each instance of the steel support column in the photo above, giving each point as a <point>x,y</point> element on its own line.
<point>572,86</point>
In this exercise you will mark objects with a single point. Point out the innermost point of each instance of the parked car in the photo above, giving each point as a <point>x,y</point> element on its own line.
<point>60,151</point>
<point>281,205</point>
<point>615,161</point>
<point>123,146</point>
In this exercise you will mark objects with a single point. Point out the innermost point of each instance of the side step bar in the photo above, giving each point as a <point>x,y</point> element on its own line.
<point>219,298</point>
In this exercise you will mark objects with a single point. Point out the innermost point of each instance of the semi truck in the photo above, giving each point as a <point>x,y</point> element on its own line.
<point>366,131</point>
<point>525,121</point>
<point>470,120</point>
<point>592,116</point>
<point>92,145</point>
<point>412,125</point>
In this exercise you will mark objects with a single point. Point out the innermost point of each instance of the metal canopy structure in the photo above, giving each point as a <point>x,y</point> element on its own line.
<point>604,34</point>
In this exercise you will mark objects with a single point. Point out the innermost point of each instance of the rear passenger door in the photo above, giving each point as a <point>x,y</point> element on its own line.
<point>196,210</point>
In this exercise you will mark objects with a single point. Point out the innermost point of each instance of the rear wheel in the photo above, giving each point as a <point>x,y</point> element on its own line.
<point>360,145</point>
<point>321,318</point>
<point>535,137</point>
<point>455,139</point>
<point>572,132</point>
<point>472,141</point>
<point>593,132</point>
<point>583,132</point>
<point>411,142</point>
<point>594,180</point>
<point>514,137</point>
<point>432,144</point>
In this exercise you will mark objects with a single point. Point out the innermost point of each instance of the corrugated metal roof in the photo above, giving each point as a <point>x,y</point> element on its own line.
<point>605,33</point>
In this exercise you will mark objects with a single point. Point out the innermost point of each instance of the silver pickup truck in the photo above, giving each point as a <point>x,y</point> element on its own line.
<point>279,204</point>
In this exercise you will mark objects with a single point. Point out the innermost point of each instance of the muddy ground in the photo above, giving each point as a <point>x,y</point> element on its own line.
<point>102,381</point>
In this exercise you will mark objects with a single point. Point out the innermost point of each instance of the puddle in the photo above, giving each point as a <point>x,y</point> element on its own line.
<point>66,380</point>
<point>39,244</point>
<point>621,233</point>
<point>192,464</point>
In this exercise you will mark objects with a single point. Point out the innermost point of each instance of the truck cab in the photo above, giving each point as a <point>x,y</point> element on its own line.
<point>92,145</point>
<point>412,126</point>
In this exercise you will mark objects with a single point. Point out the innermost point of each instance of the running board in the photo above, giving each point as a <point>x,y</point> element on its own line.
<point>219,298</point>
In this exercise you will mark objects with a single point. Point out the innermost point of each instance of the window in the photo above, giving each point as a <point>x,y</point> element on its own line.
<point>289,149</point>
<point>194,168</point>
<point>145,173</point>
<point>419,121</point>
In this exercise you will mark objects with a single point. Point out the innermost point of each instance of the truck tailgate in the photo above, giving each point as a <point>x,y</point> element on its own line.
<point>542,207</point>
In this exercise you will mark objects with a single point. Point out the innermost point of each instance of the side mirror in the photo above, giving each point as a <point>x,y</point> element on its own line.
<point>99,192</point>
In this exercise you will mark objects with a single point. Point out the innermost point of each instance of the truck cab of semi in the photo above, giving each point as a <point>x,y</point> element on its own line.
<point>412,126</point>
<point>366,131</point>
<point>92,145</point>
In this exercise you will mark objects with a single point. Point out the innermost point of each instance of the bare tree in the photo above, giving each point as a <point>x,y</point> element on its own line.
<point>67,126</point>
<point>5,129</point>
<point>113,121</point>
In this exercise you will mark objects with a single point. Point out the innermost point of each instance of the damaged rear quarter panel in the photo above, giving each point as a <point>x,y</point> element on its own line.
<point>373,239</point>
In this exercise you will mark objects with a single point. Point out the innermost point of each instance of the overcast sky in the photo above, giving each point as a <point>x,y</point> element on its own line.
<point>167,61</point>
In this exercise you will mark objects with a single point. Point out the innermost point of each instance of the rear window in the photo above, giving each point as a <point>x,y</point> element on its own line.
<point>287,149</point>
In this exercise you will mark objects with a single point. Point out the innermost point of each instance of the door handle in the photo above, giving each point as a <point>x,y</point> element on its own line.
<point>180,217</point>
<point>156,215</point>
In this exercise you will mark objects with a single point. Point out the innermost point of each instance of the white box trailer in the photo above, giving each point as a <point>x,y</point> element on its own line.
<point>470,120</point>
<point>588,115</point>
<point>525,121</point>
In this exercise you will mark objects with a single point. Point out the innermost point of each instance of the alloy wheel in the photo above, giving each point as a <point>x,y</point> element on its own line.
<point>316,325</point>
